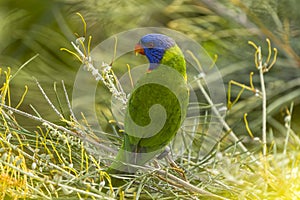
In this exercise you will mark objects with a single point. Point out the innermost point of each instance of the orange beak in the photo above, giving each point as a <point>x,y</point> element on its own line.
<point>139,49</point>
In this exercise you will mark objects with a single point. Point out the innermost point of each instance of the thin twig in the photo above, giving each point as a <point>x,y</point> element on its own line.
<point>264,102</point>
<point>287,120</point>
<point>68,101</point>
<point>186,185</point>
<point>47,99</point>
<point>22,66</point>
<point>58,100</point>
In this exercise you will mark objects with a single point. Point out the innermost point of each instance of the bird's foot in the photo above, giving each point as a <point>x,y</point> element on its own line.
<point>164,153</point>
<point>174,166</point>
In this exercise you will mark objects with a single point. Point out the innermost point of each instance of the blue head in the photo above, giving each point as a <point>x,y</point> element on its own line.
<point>154,46</point>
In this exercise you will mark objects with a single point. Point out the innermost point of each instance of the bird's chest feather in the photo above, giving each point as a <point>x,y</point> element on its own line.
<point>164,87</point>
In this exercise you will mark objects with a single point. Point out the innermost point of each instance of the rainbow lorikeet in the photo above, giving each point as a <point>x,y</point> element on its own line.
<point>156,107</point>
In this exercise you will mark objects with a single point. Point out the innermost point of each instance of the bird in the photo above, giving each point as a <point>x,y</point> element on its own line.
<point>156,107</point>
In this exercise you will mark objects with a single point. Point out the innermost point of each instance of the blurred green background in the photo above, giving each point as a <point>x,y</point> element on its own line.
<point>28,27</point>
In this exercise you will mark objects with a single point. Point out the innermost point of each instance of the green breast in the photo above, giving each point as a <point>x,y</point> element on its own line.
<point>156,109</point>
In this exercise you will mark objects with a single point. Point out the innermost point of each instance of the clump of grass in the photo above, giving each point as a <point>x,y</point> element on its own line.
<point>48,163</point>
<point>276,174</point>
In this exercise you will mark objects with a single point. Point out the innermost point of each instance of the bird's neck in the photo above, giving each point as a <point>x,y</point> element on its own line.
<point>173,57</point>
